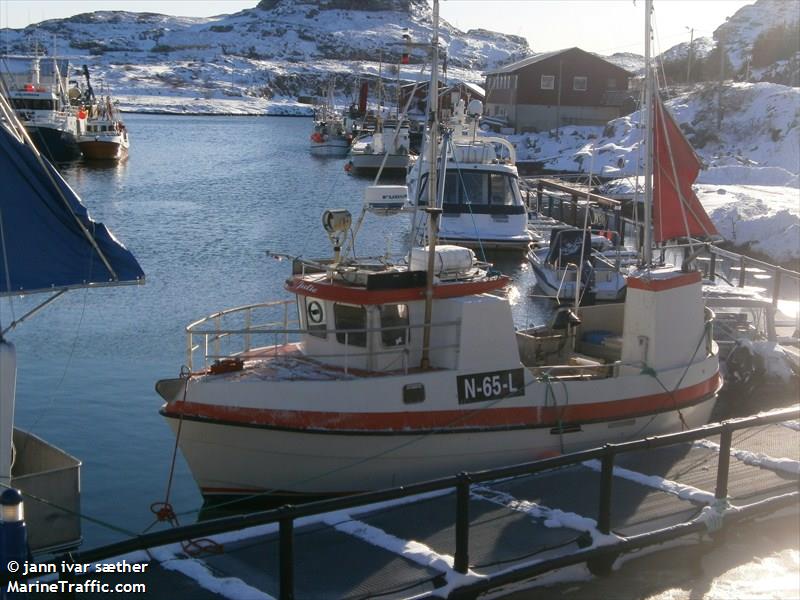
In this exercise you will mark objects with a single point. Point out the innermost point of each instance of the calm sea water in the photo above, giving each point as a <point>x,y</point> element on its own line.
<point>198,202</point>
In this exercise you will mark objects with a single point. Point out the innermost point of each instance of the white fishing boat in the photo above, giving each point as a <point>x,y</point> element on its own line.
<point>50,245</point>
<point>105,137</point>
<point>481,202</point>
<point>37,90</point>
<point>333,131</point>
<point>388,147</point>
<point>404,370</point>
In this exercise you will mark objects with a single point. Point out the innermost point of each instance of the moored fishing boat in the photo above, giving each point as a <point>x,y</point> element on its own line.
<point>333,132</point>
<point>106,137</point>
<point>402,370</point>
<point>38,93</point>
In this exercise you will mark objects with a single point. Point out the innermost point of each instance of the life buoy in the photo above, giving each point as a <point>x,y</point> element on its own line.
<point>81,114</point>
<point>316,137</point>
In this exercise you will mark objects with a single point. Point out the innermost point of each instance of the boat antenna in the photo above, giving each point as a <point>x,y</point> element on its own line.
<point>647,255</point>
<point>432,209</point>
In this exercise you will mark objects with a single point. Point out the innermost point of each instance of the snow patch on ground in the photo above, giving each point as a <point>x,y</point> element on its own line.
<point>682,491</point>
<point>756,459</point>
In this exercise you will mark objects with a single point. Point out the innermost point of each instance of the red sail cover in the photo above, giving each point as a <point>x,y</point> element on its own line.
<point>675,167</point>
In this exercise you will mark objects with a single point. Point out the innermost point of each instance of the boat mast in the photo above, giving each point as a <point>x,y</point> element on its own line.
<point>647,255</point>
<point>432,209</point>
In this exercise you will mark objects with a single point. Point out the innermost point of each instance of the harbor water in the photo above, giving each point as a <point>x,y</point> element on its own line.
<point>199,202</point>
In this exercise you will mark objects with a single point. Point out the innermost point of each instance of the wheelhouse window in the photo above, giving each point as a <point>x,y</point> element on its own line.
<point>33,104</point>
<point>579,84</point>
<point>347,318</point>
<point>394,324</point>
<point>548,82</point>
<point>501,190</point>
<point>612,83</point>
<point>465,187</point>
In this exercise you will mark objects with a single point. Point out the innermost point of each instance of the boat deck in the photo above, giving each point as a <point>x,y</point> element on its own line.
<point>405,547</point>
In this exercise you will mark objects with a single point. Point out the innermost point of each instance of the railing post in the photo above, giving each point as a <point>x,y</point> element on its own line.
<point>286,558</point>
<point>217,342</point>
<point>248,323</point>
<point>776,288</point>
<point>741,271</point>
<point>575,210</point>
<point>461,560</point>
<point>189,350</point>
<point>713,267</point>
<point>539,189</point>
<point>205,350</point>
<point>286,322</point>
<point>346,351</point>
<point>606,479</point>
<point>721,491</point>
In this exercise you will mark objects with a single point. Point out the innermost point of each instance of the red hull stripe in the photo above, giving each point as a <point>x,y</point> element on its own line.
<point>659,285</point>
<point>358,295</point>
<point>409,422</point>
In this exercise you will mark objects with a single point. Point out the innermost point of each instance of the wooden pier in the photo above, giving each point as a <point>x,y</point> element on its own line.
<point>462,536</point>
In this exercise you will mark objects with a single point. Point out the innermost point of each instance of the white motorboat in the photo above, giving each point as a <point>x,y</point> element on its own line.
<point>387,148</point>
<point>604,264</point>
<point>481,202</point>
<point>404,370</point>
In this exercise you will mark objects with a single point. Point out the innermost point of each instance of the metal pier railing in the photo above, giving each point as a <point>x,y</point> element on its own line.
<point>599,559</point>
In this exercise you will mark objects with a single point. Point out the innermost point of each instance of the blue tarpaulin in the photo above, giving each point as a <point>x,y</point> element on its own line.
<point>44,248</point>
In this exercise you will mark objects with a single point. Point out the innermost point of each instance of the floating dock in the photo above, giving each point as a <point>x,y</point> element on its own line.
<point>464,535</point>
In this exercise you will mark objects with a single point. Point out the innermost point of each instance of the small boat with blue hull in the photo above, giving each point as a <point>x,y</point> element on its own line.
<point>50,245</point>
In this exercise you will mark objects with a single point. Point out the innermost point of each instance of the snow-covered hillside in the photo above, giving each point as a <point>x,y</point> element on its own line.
<point>751,180</point>
<point>280,49</point>
<point>760,42</point>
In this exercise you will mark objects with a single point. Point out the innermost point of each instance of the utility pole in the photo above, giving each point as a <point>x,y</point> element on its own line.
<point>721,47</point>
<point>691,55</point>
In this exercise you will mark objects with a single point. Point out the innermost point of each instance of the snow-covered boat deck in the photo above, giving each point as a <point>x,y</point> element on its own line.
<point>405,547</point>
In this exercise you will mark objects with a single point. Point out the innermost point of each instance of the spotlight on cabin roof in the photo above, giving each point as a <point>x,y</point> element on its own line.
<point>336,220</point>
<point>475,108</point>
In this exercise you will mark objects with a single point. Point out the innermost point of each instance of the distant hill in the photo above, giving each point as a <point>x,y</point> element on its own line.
<point>279,48</point>
<point>761,42</point>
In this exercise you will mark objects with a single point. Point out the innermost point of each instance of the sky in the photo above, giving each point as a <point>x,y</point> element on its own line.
<point>602,26</point>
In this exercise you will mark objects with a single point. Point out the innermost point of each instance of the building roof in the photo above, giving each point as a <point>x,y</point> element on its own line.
<point>474,88</point>
<point>536,58</point>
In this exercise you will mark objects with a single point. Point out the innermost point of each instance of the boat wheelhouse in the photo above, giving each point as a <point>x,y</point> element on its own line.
<point>482,206</point>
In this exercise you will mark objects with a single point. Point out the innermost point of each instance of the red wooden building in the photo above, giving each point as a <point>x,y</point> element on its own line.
<point>566,87</point>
